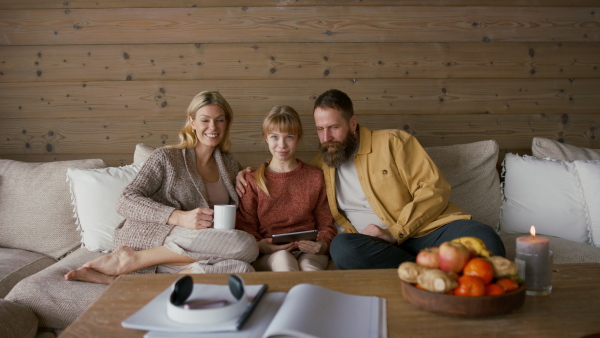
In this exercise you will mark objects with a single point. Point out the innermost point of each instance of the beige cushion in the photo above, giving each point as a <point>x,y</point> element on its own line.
<point>546,148</point>
<point>16,264</point>
<point>35,200</point>
<point>142,153</point>
<point>55,301</point>
<point>471,170</point>
<point>565,251</point>
<point>16,320</point>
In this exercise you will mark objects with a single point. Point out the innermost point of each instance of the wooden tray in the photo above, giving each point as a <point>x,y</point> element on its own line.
<point>464,306</point>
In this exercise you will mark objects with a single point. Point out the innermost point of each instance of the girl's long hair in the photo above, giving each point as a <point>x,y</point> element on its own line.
<point>285,120</point>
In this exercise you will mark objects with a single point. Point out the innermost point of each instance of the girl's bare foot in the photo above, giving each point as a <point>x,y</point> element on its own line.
<point>121,261</point>
<point>85,274</point>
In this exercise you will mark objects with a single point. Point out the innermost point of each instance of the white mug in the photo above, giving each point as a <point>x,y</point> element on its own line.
<point>224,217</point>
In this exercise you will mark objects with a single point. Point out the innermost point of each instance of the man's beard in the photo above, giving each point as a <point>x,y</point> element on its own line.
<point>342,150</point>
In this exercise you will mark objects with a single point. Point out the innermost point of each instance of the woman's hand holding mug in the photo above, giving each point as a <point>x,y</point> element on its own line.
<point>199,218</point>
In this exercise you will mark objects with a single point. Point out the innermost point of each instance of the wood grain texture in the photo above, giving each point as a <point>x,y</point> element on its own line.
<point>40,4</point>
<point>299,61</point>
<point>119,135</point>
<point>255,97</point>
<point>571,310</point>
<point>96,77</point>
<point>299,24</point>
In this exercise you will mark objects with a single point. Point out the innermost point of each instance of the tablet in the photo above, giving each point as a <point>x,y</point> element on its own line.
<point>309,235</point>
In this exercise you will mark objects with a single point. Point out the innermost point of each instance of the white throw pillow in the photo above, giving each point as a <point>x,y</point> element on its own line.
<point>588,173</point>
<point>94,193</point>
<point>544,193</point>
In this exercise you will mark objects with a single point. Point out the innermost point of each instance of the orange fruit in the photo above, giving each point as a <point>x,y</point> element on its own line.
<point>508,284</point>
<point>479,267</point>
<point>470,286</point>
<point>493,289</point>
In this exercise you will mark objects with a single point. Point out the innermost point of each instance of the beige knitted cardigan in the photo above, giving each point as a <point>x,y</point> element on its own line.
<point>168,181</point>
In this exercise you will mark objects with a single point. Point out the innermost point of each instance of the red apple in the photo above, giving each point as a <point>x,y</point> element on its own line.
<point>453,256</point>
<point>428,258</point>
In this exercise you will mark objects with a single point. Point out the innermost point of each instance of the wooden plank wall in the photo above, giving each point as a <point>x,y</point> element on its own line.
<point>92,78</point>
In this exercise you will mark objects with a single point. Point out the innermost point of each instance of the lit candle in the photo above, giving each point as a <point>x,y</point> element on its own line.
<point>534,252</point>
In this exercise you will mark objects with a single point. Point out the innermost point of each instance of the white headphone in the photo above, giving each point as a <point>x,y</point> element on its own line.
<point>182,310</point>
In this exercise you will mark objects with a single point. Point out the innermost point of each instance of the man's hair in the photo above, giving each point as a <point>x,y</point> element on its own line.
<point>337,100</point>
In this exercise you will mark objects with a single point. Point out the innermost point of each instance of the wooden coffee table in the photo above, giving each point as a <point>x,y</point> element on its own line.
<point>572,310</point>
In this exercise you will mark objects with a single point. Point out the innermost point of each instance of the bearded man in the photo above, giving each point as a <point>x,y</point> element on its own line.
<point>386,195</point>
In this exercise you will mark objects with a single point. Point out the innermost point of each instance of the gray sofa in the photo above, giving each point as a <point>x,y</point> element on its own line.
<point>40,240</point>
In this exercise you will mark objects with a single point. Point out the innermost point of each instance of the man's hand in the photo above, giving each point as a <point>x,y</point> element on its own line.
<point>266,246</point>
<point>313,247</point>
<point>240,181</point>
<point>375,231</point>
<point>199,218</point>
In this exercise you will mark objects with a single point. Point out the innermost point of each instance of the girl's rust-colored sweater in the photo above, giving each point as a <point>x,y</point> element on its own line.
<point>297,202</point>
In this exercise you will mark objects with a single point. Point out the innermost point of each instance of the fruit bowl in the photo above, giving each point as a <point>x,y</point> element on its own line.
<point>464,306</point>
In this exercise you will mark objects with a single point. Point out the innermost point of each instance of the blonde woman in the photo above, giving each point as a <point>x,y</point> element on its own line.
<point>168,206</point>
<point>286,195</point>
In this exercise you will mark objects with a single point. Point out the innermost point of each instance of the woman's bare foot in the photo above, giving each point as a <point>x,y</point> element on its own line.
<point>121,261</point>
<point>85,274</point>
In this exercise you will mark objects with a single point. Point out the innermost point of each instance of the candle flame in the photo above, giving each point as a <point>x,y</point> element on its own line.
<point>532,231</point>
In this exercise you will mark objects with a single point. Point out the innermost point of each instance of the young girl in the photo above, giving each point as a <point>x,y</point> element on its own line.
<point>286,195</point>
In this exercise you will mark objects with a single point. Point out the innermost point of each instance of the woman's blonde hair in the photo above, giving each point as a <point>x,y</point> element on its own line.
<point>187,136</point>
<point>285,120</point>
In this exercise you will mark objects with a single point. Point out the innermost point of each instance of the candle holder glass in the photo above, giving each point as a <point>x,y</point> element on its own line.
<point>536,270</point>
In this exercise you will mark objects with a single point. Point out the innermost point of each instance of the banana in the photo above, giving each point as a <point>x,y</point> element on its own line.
<point>474,245</point>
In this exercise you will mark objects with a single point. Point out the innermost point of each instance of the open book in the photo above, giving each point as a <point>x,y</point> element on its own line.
<point>306,311</point>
